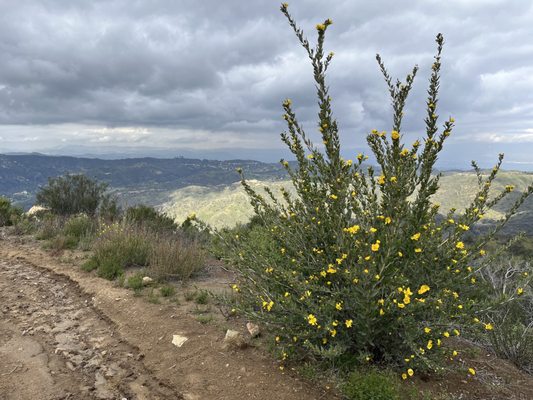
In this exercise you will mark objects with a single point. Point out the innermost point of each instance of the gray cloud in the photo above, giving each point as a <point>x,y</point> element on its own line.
<point>191,75</point>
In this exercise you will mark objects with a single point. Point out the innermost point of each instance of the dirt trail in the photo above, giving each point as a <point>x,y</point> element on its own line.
<point>65,334</point>
<point>54,345</point>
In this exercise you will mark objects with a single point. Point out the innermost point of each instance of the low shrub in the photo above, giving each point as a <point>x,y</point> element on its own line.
<point>372,385</point>
<point>167,290</point>
<point>61,242</point>
<point>120,246</point>
<point>89,265</point>
<point>79,226</point>
<point>149,217</point>
<point>510,311</point>
<point>175,257</point>
<point>49,226</point>
<point>25,226</point>
<point>135,282</point>
<point>9,214</point>
<point>202,297</point>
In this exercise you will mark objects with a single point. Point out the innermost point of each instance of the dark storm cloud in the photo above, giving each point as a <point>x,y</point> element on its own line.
<point>212,74</point>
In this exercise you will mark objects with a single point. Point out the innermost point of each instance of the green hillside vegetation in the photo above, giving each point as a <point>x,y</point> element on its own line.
<point>227,206</point>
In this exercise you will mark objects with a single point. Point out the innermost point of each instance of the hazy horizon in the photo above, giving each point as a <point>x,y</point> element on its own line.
<point>207,79</point>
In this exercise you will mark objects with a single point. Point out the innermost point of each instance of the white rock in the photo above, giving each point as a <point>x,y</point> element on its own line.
<point>35,209</point>
<point>147,280</point>
<point>178,340</point>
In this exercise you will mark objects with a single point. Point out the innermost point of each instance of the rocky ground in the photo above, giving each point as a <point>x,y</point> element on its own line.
<point>55,345</point>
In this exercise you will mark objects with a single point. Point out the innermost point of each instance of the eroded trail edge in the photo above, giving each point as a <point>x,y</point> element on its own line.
<point>55,345</point>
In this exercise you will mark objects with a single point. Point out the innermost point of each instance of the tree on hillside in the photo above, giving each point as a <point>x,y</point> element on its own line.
<point>72,194</point>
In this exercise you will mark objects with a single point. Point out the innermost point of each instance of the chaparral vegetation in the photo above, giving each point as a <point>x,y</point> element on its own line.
<point>358,267</point>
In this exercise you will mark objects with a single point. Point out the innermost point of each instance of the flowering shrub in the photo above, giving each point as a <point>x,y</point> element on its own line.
<point>359,266</point>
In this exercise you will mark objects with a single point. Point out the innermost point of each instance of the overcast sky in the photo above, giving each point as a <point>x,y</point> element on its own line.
<point>206,78</point>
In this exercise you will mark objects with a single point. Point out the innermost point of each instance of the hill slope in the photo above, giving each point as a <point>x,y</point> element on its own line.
<point>225,206</point>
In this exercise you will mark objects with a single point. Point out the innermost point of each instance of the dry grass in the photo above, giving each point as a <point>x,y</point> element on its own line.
<point>175,257</point>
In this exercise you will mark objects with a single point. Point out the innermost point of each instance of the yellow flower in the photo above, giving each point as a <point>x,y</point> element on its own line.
<point>388,220</point>
<point>395,135</point>
<point>381,312</point>
<point>393,179</point>
<point>338,306</point>
<point>446,334</point>
<point>381,180</point>
<point>333,332</point>
<point>400,254</point>
<point>418,250</point>
<point>460,245</point>
<point>489,326</point>
<point>375,246</point>
<point>373,230</point>
<point>310,156</point>
<point>482,252</point>
<point>404,152</point>
<point>404,376</point>
<point>416,236</point>
<point>333,197</point>
<point>311,319</point>
<point>401,305</point>
<point>423,289</point>
<point>348,323</point>
<point>520,291</point>
<point>410,372</point>
<point>464,227</point>
<point>427,330</point>
<point>352,229</point>
<point>320,27</point>
<point>430,344</point>
<point>472,371</point>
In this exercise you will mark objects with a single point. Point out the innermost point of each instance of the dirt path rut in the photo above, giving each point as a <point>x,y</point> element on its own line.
<point>55,345</point>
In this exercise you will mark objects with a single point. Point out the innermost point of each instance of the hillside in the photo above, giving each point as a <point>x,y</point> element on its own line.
<point>134,180</point>
<point>225,206</point>
<point>211,189</point>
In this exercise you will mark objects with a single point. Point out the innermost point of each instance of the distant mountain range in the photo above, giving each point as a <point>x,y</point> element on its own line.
<point>134,180</point>
<point>180,186</point>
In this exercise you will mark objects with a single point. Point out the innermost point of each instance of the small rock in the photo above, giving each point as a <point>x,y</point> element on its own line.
<point>147,280</point>
<point>234,340</point>
<point>253,329</point>
<point>178,340</point>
